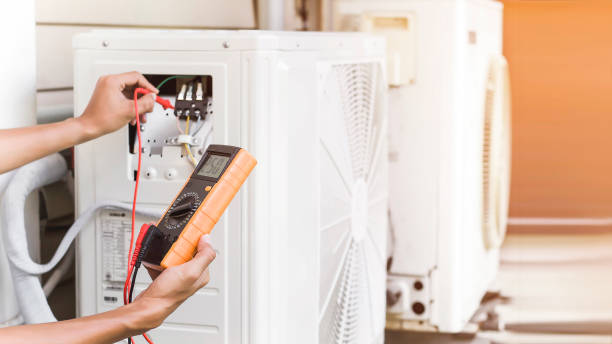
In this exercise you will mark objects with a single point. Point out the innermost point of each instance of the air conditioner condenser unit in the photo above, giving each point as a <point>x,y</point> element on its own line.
<point>301,248</point>
<point>449,152</point>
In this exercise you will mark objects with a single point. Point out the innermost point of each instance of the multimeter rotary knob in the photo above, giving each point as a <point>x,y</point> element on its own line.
<point>182,209</point>
<point>199,205</point>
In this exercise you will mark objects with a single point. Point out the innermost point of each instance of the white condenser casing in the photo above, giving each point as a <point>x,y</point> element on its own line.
<point>449,115</point>
<point>301,248</point>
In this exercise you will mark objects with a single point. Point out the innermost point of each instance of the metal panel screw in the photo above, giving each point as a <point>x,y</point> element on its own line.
<point>226,44</point>
<point>105,44</point>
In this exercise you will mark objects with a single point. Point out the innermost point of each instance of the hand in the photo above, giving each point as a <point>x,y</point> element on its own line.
<point>110,107</point>
<point>174,285</point>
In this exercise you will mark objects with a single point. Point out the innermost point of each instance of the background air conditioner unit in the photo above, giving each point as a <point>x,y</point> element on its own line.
<point>301,249</point>
<point>449,152</point>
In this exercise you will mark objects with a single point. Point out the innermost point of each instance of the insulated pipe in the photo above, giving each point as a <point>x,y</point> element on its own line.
<point>59,273</point>
<point>5,179</point>
<point>30,296</point>
<point>22,260</point>
<point>9,311</point>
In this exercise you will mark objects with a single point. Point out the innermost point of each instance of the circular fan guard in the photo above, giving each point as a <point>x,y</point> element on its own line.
<point>353,205</point>
<point>496,153</point>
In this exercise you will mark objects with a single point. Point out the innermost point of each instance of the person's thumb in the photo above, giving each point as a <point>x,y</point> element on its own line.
<point>146,103</point>
<point>205,254</point>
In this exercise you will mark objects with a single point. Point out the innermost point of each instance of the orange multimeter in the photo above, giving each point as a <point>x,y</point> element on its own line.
<point>199,205</point>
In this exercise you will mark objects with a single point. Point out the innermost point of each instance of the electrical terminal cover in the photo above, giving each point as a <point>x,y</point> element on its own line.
<point>192,100</point>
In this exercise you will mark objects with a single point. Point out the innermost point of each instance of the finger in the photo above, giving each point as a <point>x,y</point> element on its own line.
<point>143,82</point>
<point>135,78</point>
<point>203,245</point>
<point>145,103</point>
<point>203,279</point>
<point>143,118</point>
<point>205,255</point>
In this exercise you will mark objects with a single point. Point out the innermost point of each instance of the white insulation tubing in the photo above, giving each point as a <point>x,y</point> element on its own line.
<point>30,296</point>
<point>5,178</point>
<point>21,259</point>
<point>26,179</point>
<point>59,273</point>
<point>9,309</point>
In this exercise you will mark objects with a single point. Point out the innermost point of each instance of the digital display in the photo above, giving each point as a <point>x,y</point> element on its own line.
<point>213,166</point>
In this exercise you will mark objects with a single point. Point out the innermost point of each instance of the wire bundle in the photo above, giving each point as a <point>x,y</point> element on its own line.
<point>186,131</point>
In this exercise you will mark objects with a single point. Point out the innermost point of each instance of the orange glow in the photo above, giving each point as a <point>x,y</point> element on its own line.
<point>560,57</point>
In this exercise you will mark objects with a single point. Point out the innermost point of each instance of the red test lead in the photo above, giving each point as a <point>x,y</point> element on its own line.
<point>165,103</point>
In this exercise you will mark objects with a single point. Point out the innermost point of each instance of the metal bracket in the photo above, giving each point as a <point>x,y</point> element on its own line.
<point>183,139</point>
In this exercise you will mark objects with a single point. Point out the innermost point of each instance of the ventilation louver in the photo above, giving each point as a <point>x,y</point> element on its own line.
<point>496,153</point>
<point>353,209</point>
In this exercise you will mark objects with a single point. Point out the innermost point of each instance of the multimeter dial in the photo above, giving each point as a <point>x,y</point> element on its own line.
<point>181,210</point>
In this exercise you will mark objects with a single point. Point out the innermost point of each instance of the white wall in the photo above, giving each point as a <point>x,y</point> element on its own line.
<point>18,71</point>
<point>58,20</point>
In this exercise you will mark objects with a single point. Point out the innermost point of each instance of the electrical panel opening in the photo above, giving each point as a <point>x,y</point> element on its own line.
<point>176,136</point>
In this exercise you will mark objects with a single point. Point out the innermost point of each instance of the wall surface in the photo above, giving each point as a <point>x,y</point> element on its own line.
<point>58,20</point>
<point>560,57</point>
<point>18,71</point>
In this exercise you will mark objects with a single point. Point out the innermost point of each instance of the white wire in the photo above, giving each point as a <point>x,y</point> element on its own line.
<point>205,125</point>
<point>178,125</point>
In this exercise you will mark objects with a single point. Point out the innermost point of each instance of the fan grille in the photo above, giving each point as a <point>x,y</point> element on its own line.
<point>357,82</point>
<point>496,154</point>
<point>486,152</point>
<point>348,306</point>
<point>347,311</point>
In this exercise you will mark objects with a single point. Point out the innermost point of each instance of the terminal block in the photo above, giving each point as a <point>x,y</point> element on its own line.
<point>192,100</point>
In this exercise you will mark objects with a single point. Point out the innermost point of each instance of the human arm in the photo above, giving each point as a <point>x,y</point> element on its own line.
<point>108,110</point>
<point>168,291</point>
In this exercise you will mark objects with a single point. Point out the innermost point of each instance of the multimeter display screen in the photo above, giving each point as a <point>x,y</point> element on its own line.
<point>213,166</point>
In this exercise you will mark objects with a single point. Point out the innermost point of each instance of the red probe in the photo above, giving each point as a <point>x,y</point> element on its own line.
<point>165,103</point>
<point>131,256</point>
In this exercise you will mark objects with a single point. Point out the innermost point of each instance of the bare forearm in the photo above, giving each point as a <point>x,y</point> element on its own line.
<point>23,145</point>
<point>171,288</point>
<point>108,327</point>
<point>108,110</point>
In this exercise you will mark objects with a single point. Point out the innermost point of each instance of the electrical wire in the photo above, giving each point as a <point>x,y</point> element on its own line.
<point>186,132</point>
<point>129,265</point>
<point>187,148</point>
<point>197,131</point>
<point>133,284</point>
<point>142,244</point>
<point>178,125</point>
<point>168,79</point>
<point>137,91</point>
